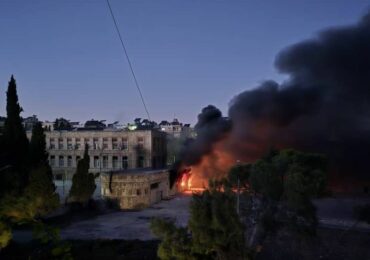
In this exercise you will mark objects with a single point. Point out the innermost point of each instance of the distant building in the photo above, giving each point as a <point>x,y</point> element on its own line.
<point>109,150</point>
<point>176,129</point>
<point>48,126</point>
<point>29,122</point>
<point>94,125</point>
<point>135,189</point>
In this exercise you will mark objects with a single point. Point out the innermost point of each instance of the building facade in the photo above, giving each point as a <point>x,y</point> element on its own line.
<point>176,129</point>
<point>135,189</point>
<point>109,150</point>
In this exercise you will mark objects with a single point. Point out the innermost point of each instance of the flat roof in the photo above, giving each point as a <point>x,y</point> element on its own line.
<point>137,171</point>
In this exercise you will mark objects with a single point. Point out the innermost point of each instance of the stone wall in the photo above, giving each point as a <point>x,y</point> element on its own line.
<point>136,189</point>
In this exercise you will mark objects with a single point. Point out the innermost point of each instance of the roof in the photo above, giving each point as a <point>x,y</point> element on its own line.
<point>138,171</point>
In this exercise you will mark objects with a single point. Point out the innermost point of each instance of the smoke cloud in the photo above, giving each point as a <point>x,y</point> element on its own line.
<point>323,107</point>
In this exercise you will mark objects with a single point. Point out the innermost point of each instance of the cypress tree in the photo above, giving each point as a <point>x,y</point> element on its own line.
<point>37,149</point>
<point>15,142</point>
<point>83,182</point>
<point>41,188</point>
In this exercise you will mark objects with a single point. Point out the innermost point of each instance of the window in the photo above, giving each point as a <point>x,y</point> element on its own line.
<point>138,192</point>
<point>115,162</point>
<point>95,143</point>
<point>78,143</point>
<point>124,144</point>
<point>140,161</point>
<point>114,143</point>
<point>105,143</point>
<point>52,143</point>
<point>105,161</point>
<point>154,185</point>
<point>140,142</point>
<point>146,190</point>
<point>96,162</point>
<point>77,159</point>
<point>69,161</point>
<point>61,161</point>
<point>124,162</point>
<point>69,144</point>
<point>60,143</point>
<point>52,160</point>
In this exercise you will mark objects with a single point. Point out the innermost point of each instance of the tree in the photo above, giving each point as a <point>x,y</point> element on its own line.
<point>282,185</point>
<point>15,142</point>
<point>37,147</point>
<point>62,124</point>
<point>83,182</point>
<point>175,242</point>
<point>41,188</point>
<point>5,235</point>
<point>214,230</point>
<point>240,172</point>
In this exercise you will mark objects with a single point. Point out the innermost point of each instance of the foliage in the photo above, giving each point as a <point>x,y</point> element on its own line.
<point>15,142</point>
<point>176,242</point>
<point>51,244</point>
<point>83,182</point>
<point>214,224</point>
<point>282,185</point>
<point>5,235</point>
<point>41,188</point>
<point>214,230</point>
<point>62,124</point>
<point>37,148</point>
<point>241,172</point>
<point>41,191</point>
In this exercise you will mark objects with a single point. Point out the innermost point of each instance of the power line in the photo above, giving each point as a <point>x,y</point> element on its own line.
<point>128,59</point>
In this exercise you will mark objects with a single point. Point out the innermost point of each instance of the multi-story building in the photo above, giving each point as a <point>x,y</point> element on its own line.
<point>109,150</point>
<point>176,129</point>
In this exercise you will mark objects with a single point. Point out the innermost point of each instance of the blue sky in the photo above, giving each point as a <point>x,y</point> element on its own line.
<point>67,59</point>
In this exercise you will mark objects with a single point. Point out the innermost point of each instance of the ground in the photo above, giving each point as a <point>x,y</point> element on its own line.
<point>126,234</point>
<point>129,224</point>
<point>332,213</point>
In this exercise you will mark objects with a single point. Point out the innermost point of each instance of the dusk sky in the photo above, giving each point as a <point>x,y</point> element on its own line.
<point>68,62</point>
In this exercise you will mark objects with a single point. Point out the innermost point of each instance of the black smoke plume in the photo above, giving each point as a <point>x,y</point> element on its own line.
<point>324,106</point>
<point>210,128</point>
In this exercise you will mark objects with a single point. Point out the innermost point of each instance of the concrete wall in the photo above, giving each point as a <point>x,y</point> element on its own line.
<point>137,189</point>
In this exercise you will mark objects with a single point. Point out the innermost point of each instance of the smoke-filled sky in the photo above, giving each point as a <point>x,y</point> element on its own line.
<point>67,60</point>
<point>323,106</point>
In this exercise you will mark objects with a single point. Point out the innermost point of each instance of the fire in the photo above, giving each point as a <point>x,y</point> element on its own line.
<point>214,165</point>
